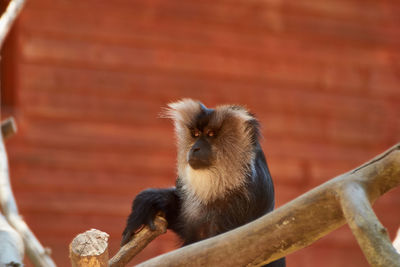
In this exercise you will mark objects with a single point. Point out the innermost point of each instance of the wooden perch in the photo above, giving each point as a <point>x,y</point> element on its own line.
<point>304,220</point>
<point>8,18</point>
<point>35,251</point>
<point>138,243</point>
<point>369,232</point>
<point>89,249</point>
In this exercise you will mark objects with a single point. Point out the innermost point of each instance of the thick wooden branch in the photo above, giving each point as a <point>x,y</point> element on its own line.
<point>300,222</point>
<point>8,18</point>
<point>89,249</point>
<point>369,232</point>
<point>138,243</point>
<point>35,251</point>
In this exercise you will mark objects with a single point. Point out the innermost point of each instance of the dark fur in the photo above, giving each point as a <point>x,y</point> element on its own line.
<point>246,202</point>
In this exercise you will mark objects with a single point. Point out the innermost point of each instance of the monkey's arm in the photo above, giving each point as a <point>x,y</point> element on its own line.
<point>145,207</point>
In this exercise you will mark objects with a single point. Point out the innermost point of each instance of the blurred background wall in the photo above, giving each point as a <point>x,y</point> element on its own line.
<point>87,79</point>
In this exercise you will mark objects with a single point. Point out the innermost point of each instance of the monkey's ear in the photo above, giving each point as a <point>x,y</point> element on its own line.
<point>183,111</point>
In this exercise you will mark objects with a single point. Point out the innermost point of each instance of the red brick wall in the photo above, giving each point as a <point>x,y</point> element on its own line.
<point>88,80</point>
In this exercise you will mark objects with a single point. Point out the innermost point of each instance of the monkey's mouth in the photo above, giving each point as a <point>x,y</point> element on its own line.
<point>196,163</point>
<point>200,157</point>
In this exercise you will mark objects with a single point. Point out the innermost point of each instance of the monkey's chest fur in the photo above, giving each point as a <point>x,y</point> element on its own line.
<point>201,220</point>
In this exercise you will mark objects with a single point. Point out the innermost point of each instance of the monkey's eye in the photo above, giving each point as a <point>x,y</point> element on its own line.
<point>210,133</point>
<point>196,133</point>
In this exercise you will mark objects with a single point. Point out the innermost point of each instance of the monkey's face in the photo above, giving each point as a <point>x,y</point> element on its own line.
<point>203,140</point>
<point>212,138</point>
<point>200,154</point>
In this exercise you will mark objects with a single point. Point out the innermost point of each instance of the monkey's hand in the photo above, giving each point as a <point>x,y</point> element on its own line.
<point>145,207</point>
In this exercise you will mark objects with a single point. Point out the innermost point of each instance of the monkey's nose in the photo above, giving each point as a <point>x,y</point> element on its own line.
<point>197,154</point>
<point>199,158</point>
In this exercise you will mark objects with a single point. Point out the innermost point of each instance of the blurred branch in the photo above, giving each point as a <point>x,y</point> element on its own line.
<point>12,246</point>
<point>8,128</point>
<point>8,18</point>
<point>396,241</point>
<point>37,254</point>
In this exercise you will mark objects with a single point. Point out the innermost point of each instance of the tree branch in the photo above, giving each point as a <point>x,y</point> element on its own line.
<point>8,128</point>
<point>89,249</point>
<point>12,246</point>
<point>369,232</point>
<point>8,17</point>
<point>37,254</point>
<point>396,241</point>
<point>138,243</point>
